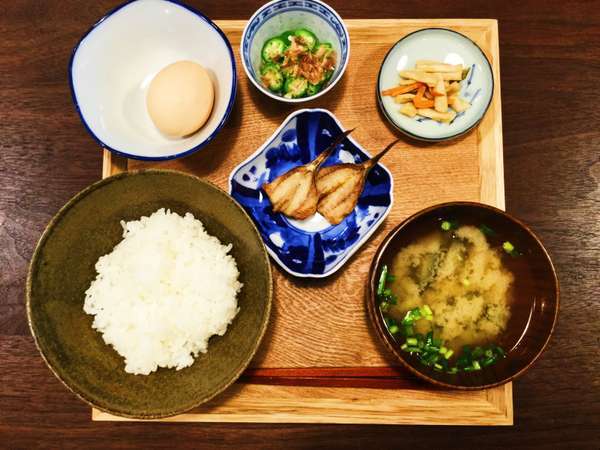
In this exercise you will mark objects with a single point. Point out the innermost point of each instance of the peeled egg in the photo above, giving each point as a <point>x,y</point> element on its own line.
<point>180,98</point>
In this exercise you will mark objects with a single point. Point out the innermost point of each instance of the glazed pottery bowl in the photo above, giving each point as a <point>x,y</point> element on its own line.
<point>534,308</point>
<point>113,64</point>
<point>279,16</point>
<point>62,268</point>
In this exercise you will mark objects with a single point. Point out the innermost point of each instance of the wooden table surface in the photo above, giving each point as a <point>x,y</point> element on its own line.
<point>550,69</point>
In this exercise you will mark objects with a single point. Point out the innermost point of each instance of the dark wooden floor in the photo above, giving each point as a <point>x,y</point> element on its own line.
<point>550,65</point>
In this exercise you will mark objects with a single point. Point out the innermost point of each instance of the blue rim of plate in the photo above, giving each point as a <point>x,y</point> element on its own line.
<point>250,70</point>
<point>177,155</point>
<point>352,250</point>
<point>416,136</point>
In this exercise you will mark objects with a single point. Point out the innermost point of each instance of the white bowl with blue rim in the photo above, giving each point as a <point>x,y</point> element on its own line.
<point>312,247</point>
<point>115,61</point>
<point>279,16</point>
<point>450,47</point>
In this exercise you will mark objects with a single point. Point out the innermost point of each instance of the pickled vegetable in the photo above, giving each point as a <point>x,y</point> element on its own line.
<point>272,77</point>
<point>273,50</point>
<point>307,37</point>
<point>295,87</point>
<point>295,64</point>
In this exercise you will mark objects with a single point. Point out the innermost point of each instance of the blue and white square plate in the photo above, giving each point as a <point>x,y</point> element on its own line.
<point>312,247</point>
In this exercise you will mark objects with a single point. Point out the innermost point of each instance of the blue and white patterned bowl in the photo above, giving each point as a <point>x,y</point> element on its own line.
<point>115,61</point>
<point>312,247</point>
<point>442,45</point>
<point>278,16</point>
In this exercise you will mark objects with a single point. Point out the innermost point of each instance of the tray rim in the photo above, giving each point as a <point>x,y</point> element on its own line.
<point>317,405</point>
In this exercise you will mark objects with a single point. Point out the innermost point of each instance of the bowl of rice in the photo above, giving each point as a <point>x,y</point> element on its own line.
<point>149,293</point>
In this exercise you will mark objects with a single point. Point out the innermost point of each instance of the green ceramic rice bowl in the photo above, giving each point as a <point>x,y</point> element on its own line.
<point>62,268</point>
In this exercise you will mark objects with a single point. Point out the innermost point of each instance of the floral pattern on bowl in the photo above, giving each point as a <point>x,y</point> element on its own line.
<point>312,247</point>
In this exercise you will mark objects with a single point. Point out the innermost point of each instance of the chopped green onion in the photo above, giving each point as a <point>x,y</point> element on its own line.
<point>420,340</point>
<point>389,322</point>
<point>384,306</point>
<point>429,338</point>
<point>431,351</point>
<point>387,292</point>
<point>415,313</point>
<point>433,357</point>
<point>488,361</point>
<point>463,360</point>
<point>411,316</point>
<point>382,277</point>
<point>393,300</point>
<point>508,247</point>
<point>487,230</point>
<point>446,225</point>
<point>426,358</point>
<point>390,278</point>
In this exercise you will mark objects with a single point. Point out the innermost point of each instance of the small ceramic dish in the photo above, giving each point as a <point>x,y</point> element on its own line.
<point>533,311</point>
<point>63,266</point>
<point>278,16</point>
<point>312,247</point>
<point>113,64</point>
<point>450,47</point>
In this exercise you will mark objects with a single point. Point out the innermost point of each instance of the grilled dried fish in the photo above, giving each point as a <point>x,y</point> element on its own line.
<point>340,187</point>
<point>295,193</point>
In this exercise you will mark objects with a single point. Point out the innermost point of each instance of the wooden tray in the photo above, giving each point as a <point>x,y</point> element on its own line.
<point>320,362</point>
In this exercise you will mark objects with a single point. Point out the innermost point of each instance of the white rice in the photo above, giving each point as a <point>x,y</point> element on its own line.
<point>163,291</point>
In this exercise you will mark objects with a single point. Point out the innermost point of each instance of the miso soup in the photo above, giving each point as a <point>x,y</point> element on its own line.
<point>463,281</point>
<point>447,295</point>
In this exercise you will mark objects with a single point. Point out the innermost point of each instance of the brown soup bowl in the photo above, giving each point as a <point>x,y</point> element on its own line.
<point>534,308</point>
